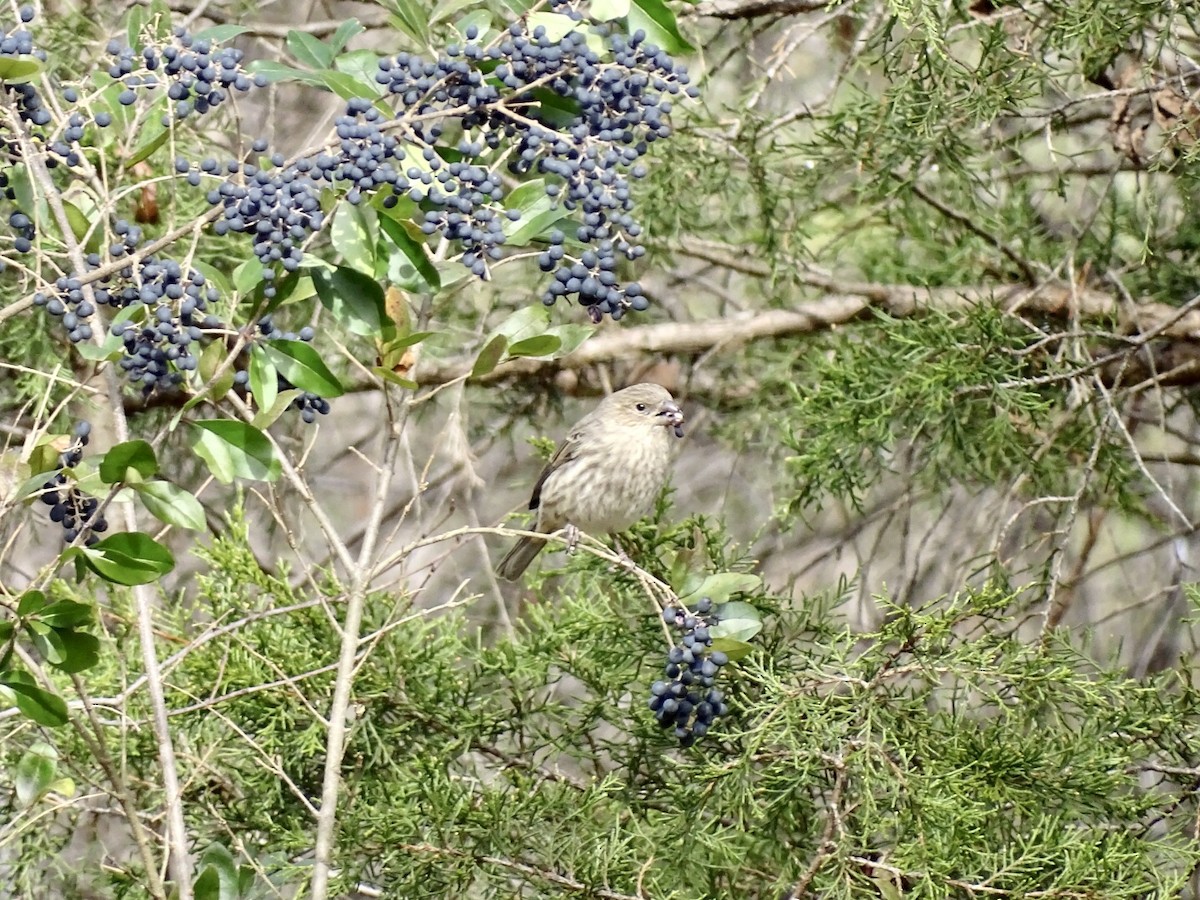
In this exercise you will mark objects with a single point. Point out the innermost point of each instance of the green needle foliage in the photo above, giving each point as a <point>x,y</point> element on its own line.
<point>939,756</point>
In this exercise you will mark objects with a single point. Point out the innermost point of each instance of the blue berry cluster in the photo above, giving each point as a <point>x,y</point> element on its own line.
<point>159,339</point>
<point>158,347</point>
<point>76,512</point>
<point>278,207</point>
<point>589,156</point>
<point>688,702</point>
<point>14,43</point>
<point>199,76</point>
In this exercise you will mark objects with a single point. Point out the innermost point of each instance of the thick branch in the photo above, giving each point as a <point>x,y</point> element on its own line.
<point>1055,299</point>
<point>750,9</point>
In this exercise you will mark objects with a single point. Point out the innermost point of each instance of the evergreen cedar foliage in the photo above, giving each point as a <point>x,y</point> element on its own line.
<point>929,271</point>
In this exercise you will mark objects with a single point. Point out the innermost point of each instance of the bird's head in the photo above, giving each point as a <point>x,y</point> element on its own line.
<point>648,404</point>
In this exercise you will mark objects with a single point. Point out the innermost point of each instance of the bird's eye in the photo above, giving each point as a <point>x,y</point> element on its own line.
<point>641,407</point>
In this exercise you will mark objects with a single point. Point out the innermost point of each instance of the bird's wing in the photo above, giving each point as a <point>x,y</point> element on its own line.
<point>566,452</point>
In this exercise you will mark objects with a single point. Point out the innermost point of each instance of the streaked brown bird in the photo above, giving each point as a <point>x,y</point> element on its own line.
<point>606,474</point>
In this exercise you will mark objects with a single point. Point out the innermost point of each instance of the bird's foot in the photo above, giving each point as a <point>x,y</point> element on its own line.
<point>572,534</point>
<point>622,557</point>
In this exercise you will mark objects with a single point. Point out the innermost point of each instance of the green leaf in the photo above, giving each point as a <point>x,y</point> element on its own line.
<point>219,860</point>
<point>361,65</point>
<point>153,134</point>
<point>732,648</point>
<point>413,337</point>
<point>309,50</point>
<point>264,381</point>
<point>654,18</point>
<point>81,650</point>
<point>277,71</point>
<point>128,558</point>
<point>557,25</point>
<point>210,359</point>
<point>18,180</point>
<point>35,772</point>
<point>538,345</point>
<point>48,643</point>
<point>235,450</point>
<point>137,455</point>
<point>81,228</point>
<point>738,621</point>
<point>300,364</point>
<point>411,17</point>
<point>719,586</point>
<point>171,504</point>
<point>537,213</point>
<point>489,356</point>
<point>219,34</point>
<point>18,689</point>
<point>30,603</point>
<point>353,233</point>
<point>207,885</point>
<point>571,336</point>
<point>346,86</point>
<point>355,299</point>
<point>247,274</point>
<point>66,614</point>
<point>480,18</point>
<point>265,418</point>
<point>607,10</point>
<point>413,271</point>
<point>19,69</point>
<point>394,378</point>
<point>347,30</point>
<point>526,322</point>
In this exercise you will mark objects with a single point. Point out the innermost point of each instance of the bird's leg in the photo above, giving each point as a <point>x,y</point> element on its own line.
<point>572,534</point>
<point>621,554</point>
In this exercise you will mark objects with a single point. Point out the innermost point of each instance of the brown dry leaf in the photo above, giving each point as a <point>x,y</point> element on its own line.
<point>146,209</point>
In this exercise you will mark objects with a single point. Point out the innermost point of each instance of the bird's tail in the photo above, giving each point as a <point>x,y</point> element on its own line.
<point>517,560</point>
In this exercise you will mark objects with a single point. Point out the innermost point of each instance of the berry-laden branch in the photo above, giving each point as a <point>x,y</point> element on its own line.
<point>575,111</point>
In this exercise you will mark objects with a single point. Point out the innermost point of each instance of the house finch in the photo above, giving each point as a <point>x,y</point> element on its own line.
<point>606,474</point>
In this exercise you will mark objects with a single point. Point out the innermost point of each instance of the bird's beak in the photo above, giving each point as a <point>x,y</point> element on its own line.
<point>671,416</point>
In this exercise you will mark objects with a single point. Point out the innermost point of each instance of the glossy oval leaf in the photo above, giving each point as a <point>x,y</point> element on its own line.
<point>353,234</point>
<point>81,650</point>
<point>19,69</point>
<point>35,772</point>
<point>137,456</point>
<point>490,356</point>
<point>537,210</point>
<point>557,25</point>
<point>538,345</point>
<point>128,558</point>
<point>218,34</point>
<point>235,450</point>
<point>607,10</point>
<point>720,586</point>
<point>302,365</point>
<point>657,20</point>
<point>31,603</point>
<point>66,614</point>
<point>171,504</point>
<point>732,648</point>
<point>264,380</point>
<point>43,707</point>
<point>355,299</point>
<point>415,271</point>
<point>737,621</point>
<point>309,50</point>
